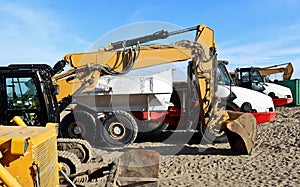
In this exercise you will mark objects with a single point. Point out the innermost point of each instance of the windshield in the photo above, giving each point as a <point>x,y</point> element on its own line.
<point>255,76</point>
<point>22,93</point>
<point>223,75</point>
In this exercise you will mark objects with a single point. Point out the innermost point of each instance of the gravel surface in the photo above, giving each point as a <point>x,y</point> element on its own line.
<point>275,160</point>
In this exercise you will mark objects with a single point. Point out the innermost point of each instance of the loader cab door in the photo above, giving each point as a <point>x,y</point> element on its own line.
<point>23,97</point>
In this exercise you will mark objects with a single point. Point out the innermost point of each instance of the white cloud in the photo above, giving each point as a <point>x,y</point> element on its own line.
<point>140,12</point>
<point>79,40</point>
<point>30,35</point>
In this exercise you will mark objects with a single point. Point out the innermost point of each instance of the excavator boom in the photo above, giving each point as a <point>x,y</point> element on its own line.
<point>114,60</point>
<point>34,147</point>
<point>287,71</point>
<point>122,56</point>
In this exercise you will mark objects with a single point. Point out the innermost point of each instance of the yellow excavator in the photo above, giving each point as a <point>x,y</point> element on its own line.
<point>122,56</point>
<point>287,70</point>
<point>39,93</point>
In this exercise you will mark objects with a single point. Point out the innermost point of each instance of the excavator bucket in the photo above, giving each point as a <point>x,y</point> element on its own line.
<point>138,168</point>
<point>241,131</point>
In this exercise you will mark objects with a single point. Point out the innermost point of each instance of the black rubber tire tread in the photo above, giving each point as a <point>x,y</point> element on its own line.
<point>248,108</point>
<point>132,127</point>
<point>71,160</point>
<point>146,128</point>
<point>272,95</point>
<point>70,143</point>
<point>84,118</point>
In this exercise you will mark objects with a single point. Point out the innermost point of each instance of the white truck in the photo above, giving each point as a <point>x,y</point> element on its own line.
<point>242,99</point>
<point>237,98</point>
<point>154,98</point>
<point>138,103</point>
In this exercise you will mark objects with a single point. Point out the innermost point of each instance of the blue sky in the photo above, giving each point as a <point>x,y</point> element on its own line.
<point>247,32</point>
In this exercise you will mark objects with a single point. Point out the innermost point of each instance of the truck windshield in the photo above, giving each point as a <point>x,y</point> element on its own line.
<point>223,75</point>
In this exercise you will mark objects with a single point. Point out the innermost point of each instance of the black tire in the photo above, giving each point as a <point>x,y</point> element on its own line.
<point>153,127</point>
<point>272,95</point>
<point>78,124</point>
<point>246,107</point>
<point>81,148</point>
<point>119,129</point>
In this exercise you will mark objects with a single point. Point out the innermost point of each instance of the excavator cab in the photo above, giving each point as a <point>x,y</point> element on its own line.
<point>27,91</point>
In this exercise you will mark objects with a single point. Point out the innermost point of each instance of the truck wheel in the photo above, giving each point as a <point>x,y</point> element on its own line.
<point>153,127</point>
<point>246,107</point>
<point>78,124</point>
<point>119,129</point>
<point>273,95</point>
<point>230,105</point>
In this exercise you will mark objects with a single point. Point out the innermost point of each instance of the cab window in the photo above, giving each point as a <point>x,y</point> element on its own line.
<point>23,100</point>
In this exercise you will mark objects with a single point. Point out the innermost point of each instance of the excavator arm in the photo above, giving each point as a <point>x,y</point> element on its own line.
<point>123,56</point>
<point>287,71</point>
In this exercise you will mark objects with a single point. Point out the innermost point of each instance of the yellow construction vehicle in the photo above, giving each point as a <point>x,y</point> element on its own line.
<point>287,70</point>
<point>31,92</point>
<point>28,156</point>
<point>121,57</point>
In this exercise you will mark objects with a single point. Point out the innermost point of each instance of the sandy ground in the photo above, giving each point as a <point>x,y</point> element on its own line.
<point>275,160</point>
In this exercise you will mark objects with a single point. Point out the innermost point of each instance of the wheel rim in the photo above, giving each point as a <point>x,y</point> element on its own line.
<point>116,130</point>
<point>76,130</point>
<point>65,168</point>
